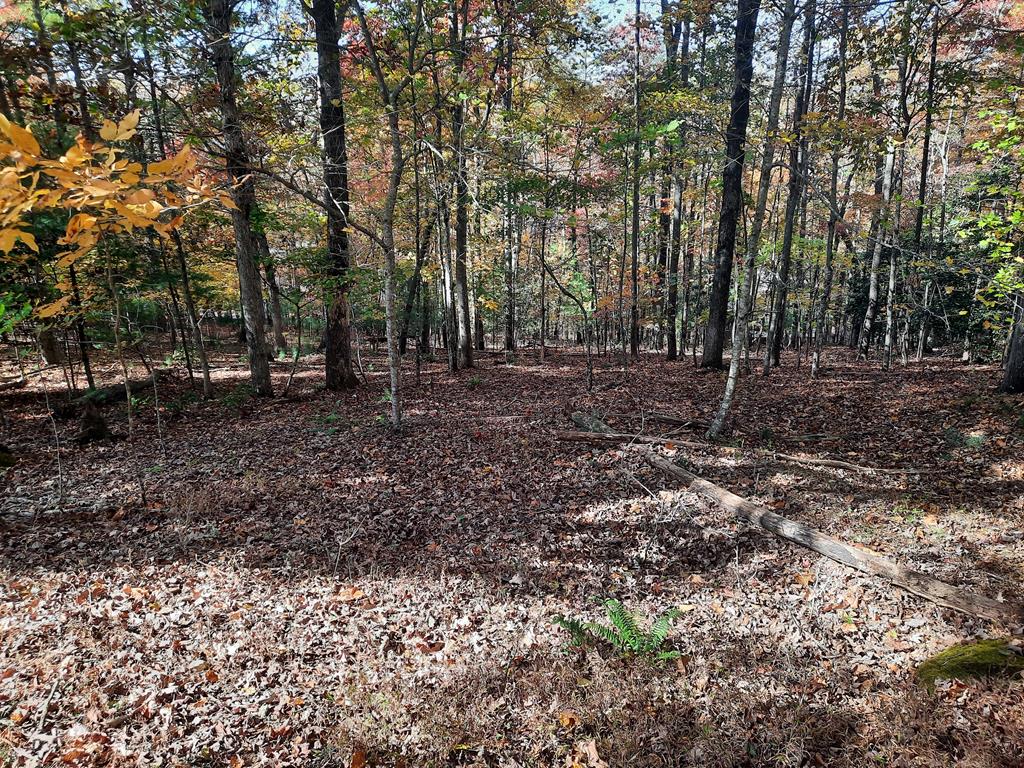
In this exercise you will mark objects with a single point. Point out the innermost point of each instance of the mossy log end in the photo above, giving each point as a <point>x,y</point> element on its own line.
<point>970,661</point>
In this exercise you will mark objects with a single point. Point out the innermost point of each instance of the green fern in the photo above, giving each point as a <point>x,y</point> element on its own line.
<point>625,636</point>
<point>625,623</point>
<point>660,628</point>
<point>579,633</point>
<point>607,634</point>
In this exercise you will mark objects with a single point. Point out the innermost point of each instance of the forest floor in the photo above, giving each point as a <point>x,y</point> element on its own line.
<point>300,586</point>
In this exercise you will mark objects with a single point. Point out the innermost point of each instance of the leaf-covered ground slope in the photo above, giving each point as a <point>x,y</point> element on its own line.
<point>302,587</point>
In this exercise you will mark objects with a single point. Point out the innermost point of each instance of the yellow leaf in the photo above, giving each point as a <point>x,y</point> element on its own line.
<point>53,308</point>
<point>79,222</point>
<point>171,163</point>
<point>140,197</point>
<point>227,202</point>
<point>568,719</point>
<point>804,579</point>
<point>10,236</point>
<point>109,130</point>
<point>22,137</point>
<point>349,593</point>
<point>126,128</point>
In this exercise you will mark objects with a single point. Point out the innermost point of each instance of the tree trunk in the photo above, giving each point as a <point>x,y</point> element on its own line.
<point>457,40</point>
<point>833,201</point>
<point>797,169</point>
<point>678,183</point>
<point>634,304</point>
<point>1013,377</point>
<point>276,315</point>
<point>732,183</point>
<point>340,371</point>
<point>243,192</point>
<point>772,127</point>
<point>736,155</point>
<point>883,190</point>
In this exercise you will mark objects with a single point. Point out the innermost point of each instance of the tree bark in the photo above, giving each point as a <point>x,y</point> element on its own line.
<point>340,369</point>
<point>884,160</point>
<point>634,303</point>
<point>795,190</point>
<point>833,201</point>
<point>732,183</point>
<point>243,192</point>
<point>457,41</point>
<point>1013,376</point>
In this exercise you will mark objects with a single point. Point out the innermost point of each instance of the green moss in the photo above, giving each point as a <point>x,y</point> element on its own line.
<point>969,661</point>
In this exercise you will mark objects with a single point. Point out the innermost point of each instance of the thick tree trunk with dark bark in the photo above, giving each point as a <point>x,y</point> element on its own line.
<point>340,370</point>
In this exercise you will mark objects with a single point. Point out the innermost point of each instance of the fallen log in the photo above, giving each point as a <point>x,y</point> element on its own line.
<point>862,560</point>
<point>113,393</point>
<point>615,437</point>
<point>607,436</point>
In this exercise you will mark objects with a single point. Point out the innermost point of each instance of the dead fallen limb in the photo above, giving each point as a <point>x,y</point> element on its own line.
<point>616,437</point>
<point>664,418</point>
<point>22,380</point>
<point>862,560</point>
<point>606,436</point>
<point>17,383</point>
<point>114,393</point>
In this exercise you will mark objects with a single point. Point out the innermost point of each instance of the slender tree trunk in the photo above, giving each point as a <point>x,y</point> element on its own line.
<point>678,185</point>
<point>506,58</point>
<point>924,329</point>
<point>274,291</point>
<point>457,41</point>
<point>243,193</point>
<point>634,305</point>
<point>772,127</point>
<point>833,201</point>
<point>884,160</point>
<point>744,294</point>
<point>798,163</point>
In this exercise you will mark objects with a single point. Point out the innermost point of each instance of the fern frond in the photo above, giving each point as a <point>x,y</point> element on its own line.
<point>608,634</point>
<point>577,630</point>
<point>660,629</point>
<point>625,623</point>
